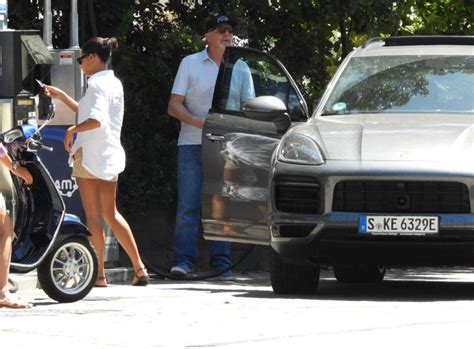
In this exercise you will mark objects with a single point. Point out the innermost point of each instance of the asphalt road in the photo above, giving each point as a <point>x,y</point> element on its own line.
<point>411,308</point>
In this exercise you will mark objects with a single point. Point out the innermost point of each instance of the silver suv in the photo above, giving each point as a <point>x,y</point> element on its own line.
<point>381,174</point>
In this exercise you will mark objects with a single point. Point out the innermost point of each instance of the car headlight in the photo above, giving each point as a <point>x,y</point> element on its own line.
<point>300,149</point>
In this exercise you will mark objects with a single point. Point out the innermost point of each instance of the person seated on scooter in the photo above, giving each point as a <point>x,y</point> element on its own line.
<point>98,156</point>
<point>7,300</point>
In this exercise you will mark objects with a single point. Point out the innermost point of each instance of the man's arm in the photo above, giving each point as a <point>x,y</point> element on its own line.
<point>247,91</point>
<point>177,109</point>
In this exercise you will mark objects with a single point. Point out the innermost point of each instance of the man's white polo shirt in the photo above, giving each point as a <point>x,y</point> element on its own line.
<point>103,154</point>
<point>195,80</point>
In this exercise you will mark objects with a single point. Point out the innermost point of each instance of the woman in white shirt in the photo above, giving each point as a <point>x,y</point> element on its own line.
<point>98,156</point>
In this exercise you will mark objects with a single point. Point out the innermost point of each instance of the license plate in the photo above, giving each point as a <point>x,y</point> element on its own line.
<point>398,225</point>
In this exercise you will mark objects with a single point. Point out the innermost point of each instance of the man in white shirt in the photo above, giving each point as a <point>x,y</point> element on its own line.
<point>190,101</point>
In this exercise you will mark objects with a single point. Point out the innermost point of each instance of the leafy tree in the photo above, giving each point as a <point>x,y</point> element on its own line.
<point>151,48</point>
<point>451,17</point>
<point>309,36</point>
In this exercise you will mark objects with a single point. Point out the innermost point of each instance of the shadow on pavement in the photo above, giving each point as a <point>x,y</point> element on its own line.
<point>409,285</point>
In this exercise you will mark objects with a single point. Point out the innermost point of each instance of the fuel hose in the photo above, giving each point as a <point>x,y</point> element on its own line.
<point>196,277</point>
<point>13,285</point>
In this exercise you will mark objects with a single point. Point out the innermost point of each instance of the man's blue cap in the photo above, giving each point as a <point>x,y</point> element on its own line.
<point>217,20</point>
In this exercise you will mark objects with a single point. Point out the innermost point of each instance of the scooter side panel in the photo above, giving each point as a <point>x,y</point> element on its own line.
<point>72,225</point>
<point>39,217</point>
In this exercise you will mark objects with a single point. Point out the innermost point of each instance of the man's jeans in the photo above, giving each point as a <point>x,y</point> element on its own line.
<point>188,215</point>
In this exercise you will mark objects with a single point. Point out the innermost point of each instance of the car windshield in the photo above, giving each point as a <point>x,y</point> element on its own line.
<point>404,84</point>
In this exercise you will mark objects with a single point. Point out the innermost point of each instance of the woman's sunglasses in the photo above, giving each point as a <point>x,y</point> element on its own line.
<point>79,60</point>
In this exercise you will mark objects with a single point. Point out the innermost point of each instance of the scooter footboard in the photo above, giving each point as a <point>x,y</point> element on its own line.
<point>72,225</point>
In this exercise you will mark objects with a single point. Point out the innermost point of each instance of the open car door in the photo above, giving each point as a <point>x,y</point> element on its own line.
<point>255,102</point>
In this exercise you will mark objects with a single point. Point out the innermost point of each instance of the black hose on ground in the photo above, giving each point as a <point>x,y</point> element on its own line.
<point>13,285</point>
<point>156,269</point>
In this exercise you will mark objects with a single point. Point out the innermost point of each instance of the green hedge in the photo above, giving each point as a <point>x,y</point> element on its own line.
<point>309,36</point>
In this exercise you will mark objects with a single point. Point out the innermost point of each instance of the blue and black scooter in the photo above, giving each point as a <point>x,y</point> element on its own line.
<point>46,238</point>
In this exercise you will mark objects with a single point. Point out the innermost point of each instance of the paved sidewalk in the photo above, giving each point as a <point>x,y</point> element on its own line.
<point>429,306</point>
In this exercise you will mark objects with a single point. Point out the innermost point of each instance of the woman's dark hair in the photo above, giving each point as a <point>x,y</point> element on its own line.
<point>102,47</point>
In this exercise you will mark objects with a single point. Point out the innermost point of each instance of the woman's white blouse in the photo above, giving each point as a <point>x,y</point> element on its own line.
<point>103,154</point>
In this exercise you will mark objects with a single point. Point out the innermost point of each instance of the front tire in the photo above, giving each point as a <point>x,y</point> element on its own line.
<point>291,278</point>
<point>69,271</point>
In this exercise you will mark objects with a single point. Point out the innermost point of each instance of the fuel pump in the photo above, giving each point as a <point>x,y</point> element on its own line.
<point>23,59</point>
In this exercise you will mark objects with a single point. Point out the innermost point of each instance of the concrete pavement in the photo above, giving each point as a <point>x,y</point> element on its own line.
<point>412,307</point>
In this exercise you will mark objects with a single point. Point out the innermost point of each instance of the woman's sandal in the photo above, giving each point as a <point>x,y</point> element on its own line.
<point>141,280</point>
<point>101,281</point>
<point>12,302</point>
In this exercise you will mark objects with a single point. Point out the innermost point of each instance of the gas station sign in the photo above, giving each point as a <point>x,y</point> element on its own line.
<point>66,58</point>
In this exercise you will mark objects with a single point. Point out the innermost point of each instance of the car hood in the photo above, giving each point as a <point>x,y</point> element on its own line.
<point>396,137</point>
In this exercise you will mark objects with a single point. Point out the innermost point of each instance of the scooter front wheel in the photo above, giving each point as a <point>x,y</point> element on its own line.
<point>69,271</point>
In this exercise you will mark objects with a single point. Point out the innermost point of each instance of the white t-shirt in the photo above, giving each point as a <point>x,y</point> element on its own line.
<point>103,154</point>
<point>195,80</point>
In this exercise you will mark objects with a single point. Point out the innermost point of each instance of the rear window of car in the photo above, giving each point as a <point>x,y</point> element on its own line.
<point>404,84</point>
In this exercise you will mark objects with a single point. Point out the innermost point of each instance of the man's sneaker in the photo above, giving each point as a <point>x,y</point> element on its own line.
<point>180,271</point>
<point>227,276</point>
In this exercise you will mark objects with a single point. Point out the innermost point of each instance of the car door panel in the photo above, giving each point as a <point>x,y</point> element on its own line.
<point>237,150</point>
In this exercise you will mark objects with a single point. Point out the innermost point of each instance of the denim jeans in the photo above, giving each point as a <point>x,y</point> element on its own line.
<point>188,215</point>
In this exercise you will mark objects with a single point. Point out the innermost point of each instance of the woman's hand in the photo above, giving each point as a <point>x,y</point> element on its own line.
<point>68,139</point>
<point>53,92</point>
<point>24,174</point>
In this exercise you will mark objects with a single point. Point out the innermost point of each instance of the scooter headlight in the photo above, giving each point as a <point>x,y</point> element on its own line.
<point>12,135</point>
<point>300,149</point>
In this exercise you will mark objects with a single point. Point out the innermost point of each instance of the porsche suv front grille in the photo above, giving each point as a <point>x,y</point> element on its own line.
<point>298,195</point>
<point>401,197</point>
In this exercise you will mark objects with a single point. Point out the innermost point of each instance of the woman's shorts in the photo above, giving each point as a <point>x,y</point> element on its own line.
<point>79,171</point>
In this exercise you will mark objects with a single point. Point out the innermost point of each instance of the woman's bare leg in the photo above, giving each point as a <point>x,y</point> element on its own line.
<point>6,233</point>
<point>90,197</point>
<point>118,224</point>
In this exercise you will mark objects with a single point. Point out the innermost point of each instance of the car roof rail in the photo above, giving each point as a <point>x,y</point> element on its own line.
<point>410,40</point>
<point>372,40</point>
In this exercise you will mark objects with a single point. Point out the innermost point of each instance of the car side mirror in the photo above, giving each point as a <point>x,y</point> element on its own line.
<point>269,109</point>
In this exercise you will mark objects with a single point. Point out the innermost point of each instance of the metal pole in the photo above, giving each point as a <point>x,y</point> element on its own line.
<point>3,15</point>
<point>74,25</point>
<point>48,25</point>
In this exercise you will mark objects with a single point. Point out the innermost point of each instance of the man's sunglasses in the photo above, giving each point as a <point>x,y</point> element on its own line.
<point>222,30</point>
<point>79,60</point>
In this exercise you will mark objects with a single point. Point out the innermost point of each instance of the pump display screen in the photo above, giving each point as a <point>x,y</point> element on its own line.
<point>25,102</point>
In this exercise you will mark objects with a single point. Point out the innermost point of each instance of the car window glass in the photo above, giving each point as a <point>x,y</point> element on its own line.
<point>249,74</point>
<point>404,84</point>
